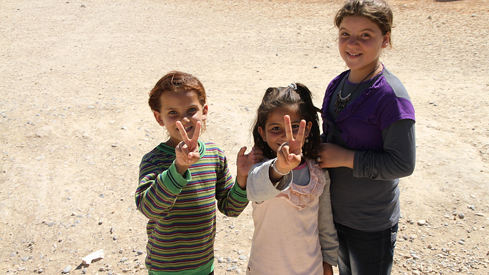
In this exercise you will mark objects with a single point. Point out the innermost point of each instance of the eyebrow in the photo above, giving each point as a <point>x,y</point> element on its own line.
<point>370,30</point>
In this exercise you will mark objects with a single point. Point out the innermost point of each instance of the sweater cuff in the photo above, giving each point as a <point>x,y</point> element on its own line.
<point>174,181</point>
<point>238,193</point>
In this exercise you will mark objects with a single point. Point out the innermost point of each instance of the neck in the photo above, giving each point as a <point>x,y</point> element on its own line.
<point>357,76</point>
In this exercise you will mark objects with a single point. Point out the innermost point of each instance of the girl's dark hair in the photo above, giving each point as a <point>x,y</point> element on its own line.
<point>176,81</point>
<point>376,10</point>
<point>282,97</point>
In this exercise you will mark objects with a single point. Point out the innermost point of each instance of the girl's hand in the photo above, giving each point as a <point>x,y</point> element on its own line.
<point>289,153</point>
<point>244,163</point>
<point>187,151</point>
<point>327,269</point>
<point>333,156</point>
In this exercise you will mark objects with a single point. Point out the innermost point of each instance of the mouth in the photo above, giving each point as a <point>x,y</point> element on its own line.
<point>187,129</point>
<point>354,55</point>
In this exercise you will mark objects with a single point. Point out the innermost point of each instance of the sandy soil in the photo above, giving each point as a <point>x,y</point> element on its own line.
<point>74,122</point>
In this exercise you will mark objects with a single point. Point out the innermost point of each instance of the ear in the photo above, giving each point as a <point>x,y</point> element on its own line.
<point>385,40</point>
<point>158,118</point>
<point>205,110</point>
<point>262,134</point>
<point>308,129</point>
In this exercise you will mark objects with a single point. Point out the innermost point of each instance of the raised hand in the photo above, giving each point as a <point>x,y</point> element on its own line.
<point>289,153</point>
<point>244,163</point>
<point>187,151</point>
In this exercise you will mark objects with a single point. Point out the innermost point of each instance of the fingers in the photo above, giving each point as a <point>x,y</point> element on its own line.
<point>242,151</point>
<point>184,135</point>
<point>196,135</point>
<point>182,131</point>
<point>288,128</point>
<point>302,132</point>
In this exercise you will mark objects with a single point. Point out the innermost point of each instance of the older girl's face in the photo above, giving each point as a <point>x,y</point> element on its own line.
<point>360,43</point>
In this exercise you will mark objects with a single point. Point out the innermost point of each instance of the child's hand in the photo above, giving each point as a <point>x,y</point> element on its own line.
<point>289,153</point>
<point>327,269</point>
<point>187,151</point>
<point>244,163</point>
<point>332,156</point>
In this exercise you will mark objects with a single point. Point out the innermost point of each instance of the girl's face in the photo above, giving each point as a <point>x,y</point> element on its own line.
<point>180,106</point>
<point>274,132</point>
<point>360,43</point>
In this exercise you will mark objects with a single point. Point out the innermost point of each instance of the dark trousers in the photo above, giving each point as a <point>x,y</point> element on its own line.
<point>365,253</point>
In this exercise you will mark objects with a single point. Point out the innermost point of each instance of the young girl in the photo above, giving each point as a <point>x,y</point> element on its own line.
<point>180,180</point>
<point>285,188</point>
<point>368,125</point>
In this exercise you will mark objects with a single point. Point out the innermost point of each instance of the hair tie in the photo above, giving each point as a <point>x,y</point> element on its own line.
<point>293,86</point>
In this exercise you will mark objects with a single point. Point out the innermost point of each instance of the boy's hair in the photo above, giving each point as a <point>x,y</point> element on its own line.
<point>175,82</point>
<point>282,97</point>
<point>376,10</point>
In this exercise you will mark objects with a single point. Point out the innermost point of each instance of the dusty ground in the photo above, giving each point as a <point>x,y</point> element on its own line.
<point>74,122</point>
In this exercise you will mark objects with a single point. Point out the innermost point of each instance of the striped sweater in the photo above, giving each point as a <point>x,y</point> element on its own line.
<point>182,209</point>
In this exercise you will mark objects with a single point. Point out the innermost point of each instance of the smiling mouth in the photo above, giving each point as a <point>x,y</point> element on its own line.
<point>358,54</point>
<point>187,129</point>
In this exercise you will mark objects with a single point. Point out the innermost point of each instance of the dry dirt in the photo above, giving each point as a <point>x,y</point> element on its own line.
<point>74,122</point>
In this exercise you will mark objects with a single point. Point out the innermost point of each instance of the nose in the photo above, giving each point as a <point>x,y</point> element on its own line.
<point>352,41</point>
<point>185,119</point>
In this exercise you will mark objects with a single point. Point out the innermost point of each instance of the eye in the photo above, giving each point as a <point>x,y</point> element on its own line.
<point>172,112</point>
<point>344,34</point>
<point>275,128</point>
<point>192,110</point>
<point>366,35</point>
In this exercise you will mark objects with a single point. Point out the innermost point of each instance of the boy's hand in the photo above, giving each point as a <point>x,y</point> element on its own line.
<point>244,163</point>
<point>187,151</point>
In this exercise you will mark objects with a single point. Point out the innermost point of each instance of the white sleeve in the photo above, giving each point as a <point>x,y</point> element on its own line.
<point>259,187</point>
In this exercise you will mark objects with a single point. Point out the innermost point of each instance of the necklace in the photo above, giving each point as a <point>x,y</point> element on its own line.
<point>341,102</point>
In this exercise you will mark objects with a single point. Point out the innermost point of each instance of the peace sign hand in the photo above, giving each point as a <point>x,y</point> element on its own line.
<point>289,153</point>
<point>187,151</point>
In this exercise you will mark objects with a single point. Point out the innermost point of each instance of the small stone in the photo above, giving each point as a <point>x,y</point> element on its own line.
<point>66,269</point>
<point>421,222</point>
<point>124,259</point>
<point>139,252</point>
<point>461,215</point>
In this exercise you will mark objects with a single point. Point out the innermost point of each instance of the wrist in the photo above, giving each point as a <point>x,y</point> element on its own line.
<point>181,168</point>
<point>276,170</point>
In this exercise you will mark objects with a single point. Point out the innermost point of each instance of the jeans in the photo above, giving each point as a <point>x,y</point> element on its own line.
<point>365,253</point>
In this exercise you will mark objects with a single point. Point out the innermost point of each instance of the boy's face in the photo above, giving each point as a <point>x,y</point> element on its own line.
<point>180,106</point>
